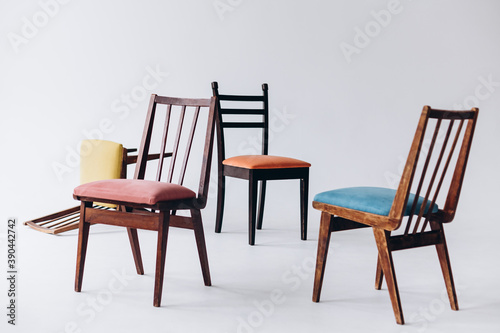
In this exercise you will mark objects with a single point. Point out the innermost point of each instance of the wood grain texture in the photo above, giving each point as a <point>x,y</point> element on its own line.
<point>162,215</point>
<point>437,158</point>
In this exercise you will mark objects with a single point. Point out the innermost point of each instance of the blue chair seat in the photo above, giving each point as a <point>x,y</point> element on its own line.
<point>375,200</point>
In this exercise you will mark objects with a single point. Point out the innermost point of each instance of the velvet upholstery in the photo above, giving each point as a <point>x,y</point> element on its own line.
<point>375,200</point>
<point>100,159</point>
<point>134,191</point>
<point>265,162</point>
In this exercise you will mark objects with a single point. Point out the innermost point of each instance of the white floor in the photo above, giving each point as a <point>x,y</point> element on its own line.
<point>264,288</point>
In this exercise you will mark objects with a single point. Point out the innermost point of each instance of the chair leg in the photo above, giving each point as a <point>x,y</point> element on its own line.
<point>136,250</point>
<point>444,260</point>
<point>252,207</point>
<point>200,243</point>
<point>221,189</point>
<point>304,190</point>
<point>160,255</point>
<point>262,198</point>
<point>83,236</point>
<point>323,244</point>
<point>379,275</point>
<point>385,256</point>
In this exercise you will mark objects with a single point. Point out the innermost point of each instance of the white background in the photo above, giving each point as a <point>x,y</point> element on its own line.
<point>67,68</point>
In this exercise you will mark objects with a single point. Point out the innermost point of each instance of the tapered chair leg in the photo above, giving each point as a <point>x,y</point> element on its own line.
<point>385,256</point>
<point>136,250</point>
<point>304,190</point>
<point>221,189</point>
<point>262,198</point>
<point>323,244</point>
<point>444,260</point>
<point>252,207</point>
<point>379,275</point>
<point>160,256</point>
<point>200,243</point>
<point>83,236</point>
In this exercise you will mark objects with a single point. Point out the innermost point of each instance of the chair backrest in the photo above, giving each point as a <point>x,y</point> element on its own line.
<point>437,158</point>
<point>260,107</point>
<point>100,159</point>
<point>172,137</point>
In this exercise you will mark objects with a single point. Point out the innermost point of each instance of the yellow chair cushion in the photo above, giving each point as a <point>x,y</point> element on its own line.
<point>100,160</point>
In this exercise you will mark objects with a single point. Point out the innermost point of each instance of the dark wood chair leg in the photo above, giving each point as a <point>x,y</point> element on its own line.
<point>262,198</point>
<point>83,237</point>
<point>323,244</point>
<point>252,207</point>
<point>379,275</point>
<point>304,190</point>
<point>221,189</point>
<point>444,260</point>
<point>202,247</point>
<point>160,256</point>
<point>136,250</point>
<point>382,240</point>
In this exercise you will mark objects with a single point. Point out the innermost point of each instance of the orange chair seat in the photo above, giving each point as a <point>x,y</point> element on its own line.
<point>265,162</point>
<point>133,191</point>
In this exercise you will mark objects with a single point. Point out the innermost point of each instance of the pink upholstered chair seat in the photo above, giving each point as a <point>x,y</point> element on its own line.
<point>134,191</point>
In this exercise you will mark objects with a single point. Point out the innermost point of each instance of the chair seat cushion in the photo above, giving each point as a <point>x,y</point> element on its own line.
<point>134,191</point>
<point>375,200</point>
<point>265,162</point>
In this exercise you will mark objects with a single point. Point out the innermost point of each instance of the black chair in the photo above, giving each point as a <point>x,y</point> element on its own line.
<point>254,168</point>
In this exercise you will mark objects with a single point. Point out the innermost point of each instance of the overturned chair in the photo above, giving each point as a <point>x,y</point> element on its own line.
<point>99,159</point>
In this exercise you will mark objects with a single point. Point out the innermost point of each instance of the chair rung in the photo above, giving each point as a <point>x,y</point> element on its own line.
<point>242,111</point>
<point>241,98</point>
<point>427,238</point>
<point>341,224</point>
<point>243,125</point>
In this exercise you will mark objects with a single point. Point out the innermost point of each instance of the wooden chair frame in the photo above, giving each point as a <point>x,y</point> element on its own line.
<point>335,218</point>
<point>254,176</point>
<point>162,215</point>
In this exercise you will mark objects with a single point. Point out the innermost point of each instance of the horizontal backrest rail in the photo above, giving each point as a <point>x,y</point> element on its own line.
<point>242,111</point>
<point>241,98</point>
<point>203,102</point>
<point>243,125</point>
<point>444,114</point>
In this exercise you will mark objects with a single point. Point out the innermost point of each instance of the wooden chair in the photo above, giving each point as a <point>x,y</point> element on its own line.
<point>153,204</point>
<point>99,159</point>
<point>254,168</point>
<point>442,140</point>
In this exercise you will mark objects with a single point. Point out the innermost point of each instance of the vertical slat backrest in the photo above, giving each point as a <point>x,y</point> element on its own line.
<point>180,106</point>
<point>432,155</point>
<point>241,111</point>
